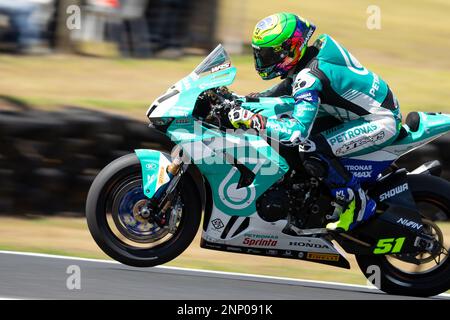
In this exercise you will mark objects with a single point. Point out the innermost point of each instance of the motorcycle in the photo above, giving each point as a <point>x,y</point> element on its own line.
<point>144,209</point>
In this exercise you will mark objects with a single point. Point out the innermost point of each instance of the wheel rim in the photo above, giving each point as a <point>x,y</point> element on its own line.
<point>129,226</point>
<point>426,262</point>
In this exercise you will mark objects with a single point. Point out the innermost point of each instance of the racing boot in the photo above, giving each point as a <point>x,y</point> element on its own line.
<point>352,205</point>
<point>353,209</point>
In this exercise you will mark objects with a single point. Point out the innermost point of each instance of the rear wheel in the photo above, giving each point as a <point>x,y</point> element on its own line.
<point>125,230</point>
<point>428,273</point>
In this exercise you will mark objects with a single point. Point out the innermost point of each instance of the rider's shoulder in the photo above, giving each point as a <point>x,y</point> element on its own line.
<point>305,80</point>
<point>330,51</point>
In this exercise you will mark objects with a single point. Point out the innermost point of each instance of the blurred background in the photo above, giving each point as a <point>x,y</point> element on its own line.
<point>76,78</point>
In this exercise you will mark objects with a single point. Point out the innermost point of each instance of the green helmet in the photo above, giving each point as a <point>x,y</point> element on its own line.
<point>279,42</point>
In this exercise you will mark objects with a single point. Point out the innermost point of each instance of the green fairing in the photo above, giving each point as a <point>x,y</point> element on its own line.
<point>150,163</point>
<point>191,88</point>
<point>220,172</point>
<point>431,126</point>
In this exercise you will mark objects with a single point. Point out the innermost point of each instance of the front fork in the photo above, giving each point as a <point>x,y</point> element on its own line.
<point>165,196</point>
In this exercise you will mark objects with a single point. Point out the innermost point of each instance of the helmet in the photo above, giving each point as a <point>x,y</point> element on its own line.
<point>279,42</point>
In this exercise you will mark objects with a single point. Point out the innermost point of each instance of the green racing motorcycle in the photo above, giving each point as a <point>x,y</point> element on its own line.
<point>145,208</point>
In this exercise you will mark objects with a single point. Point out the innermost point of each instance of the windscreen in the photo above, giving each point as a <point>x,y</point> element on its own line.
<point>217,60</point>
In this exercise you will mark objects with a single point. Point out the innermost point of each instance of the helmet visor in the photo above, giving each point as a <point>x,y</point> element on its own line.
<point>266,57</point>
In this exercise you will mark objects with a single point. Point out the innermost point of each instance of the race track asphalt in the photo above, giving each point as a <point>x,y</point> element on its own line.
<point>35,276</point>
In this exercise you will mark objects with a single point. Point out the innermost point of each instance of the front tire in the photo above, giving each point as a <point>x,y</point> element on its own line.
<point>430,190</point>
<point>104,191</point>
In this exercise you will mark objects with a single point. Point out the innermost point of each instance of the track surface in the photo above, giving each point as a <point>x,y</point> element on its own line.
<point>38,276</point>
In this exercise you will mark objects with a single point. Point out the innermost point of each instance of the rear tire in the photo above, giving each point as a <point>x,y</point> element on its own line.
<point>102,189</point>
<point>425,188</point>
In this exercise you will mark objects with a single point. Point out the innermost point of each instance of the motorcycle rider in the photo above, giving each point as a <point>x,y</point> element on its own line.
<point>325,80</point>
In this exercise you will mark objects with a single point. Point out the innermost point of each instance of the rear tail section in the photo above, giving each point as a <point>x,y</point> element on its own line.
<point>420,129</point>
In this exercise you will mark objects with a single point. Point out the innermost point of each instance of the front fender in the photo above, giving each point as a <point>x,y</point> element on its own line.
<point>154,169</point>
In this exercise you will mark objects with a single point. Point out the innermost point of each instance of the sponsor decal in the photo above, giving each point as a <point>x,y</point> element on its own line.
<point>276,127</point>
<point>235,249</point>
<point>264,24</point>
<point>150,180</point>
<point>375,85</point>
<point>309,245</point>
<point>340,195</point>
<point>261,236</point>
<point>410,224</point>
<point>362,167</point>
<point>182,121</point>
<point>213,246</point>
<point>287,253</point>
<point>301,255</point>
<point>259,242</point>
<point>221,67</point>
<point>360,171</point>
<point>234,197</point>
<point>352,133</point>
<point>358,143</point>
<point>306,96</point>
<point>208,238</point>
<point>389,245</point>
<point>309,96</point>
<point>217,224</point>
<point>307,146</point>
<point>393,192</point>
<point>322,256</point>
<point>272,252</point>
<point>255,251</point>
<point>161,175</point>
<point>307,109</point>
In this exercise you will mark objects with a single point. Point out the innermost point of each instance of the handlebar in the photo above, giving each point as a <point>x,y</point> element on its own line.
<point>222,100</point>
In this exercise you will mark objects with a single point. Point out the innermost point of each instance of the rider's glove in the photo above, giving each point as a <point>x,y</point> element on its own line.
<point>240,117</point>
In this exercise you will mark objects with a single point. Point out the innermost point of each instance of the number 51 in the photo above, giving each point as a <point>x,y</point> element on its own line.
<point>390,245</point>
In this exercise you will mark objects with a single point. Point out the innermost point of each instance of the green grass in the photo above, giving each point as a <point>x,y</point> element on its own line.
<point>37,249</point>
<point>129,88</point>
<point>411,52</point>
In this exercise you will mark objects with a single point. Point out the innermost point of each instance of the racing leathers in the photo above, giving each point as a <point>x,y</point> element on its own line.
<point>329,81</point>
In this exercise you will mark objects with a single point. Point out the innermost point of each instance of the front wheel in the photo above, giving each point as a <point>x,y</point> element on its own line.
<point>113,211</point>
<point>426,274</point>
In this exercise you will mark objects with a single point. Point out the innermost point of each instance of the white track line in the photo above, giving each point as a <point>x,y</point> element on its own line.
<point>51,256</point>
<point>323,284</point>
<point>54,256</point>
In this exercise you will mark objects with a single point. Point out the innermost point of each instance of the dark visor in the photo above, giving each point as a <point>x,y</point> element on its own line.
<point>266,57</point>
